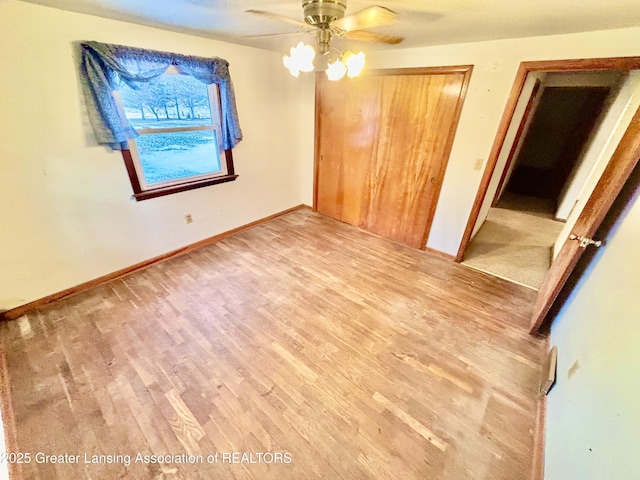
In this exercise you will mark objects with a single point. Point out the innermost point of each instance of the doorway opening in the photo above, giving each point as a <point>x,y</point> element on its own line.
<point>559,130</point>
<point>562,123</point>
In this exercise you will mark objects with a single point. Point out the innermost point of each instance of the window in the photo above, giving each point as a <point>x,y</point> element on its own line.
<point>173,116</point>
<point>179,147</point>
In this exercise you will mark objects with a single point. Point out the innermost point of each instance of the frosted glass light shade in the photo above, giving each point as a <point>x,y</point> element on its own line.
<point>354,63</point>
<point>300,59</point>
<point>336,70</point>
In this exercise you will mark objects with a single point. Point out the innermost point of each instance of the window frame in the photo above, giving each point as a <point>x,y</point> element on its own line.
<point>142,191</point>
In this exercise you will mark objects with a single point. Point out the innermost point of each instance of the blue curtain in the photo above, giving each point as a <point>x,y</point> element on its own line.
<point>103,65</point>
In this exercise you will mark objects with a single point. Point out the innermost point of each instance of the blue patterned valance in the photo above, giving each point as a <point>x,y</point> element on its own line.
<point>103,65</point>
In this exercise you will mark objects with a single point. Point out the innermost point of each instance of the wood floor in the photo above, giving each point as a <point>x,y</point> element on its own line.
<point>314,348</point>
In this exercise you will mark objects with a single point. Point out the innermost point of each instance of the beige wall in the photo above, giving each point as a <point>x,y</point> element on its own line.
<point>66,212</point>
<point>593,419</point>
<point>495,65</point>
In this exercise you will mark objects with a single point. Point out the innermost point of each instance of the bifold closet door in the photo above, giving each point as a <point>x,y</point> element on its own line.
<point>382,146</point>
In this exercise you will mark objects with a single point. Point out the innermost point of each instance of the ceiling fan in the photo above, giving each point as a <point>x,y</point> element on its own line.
<point>327,18</point>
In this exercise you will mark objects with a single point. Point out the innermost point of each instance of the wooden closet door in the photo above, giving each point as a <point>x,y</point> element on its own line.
<point>383,142</point>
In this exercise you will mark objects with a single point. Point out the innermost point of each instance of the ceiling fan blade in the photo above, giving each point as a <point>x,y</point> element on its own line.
<point>371,17</point>
<point>281,18</point>
<point>269,35</point>
<point>363,36</point>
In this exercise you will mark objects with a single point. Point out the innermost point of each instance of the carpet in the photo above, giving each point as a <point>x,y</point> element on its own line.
<point>515,245</point>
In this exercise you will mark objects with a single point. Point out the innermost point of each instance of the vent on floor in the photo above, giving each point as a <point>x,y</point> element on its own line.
<point>549,373</point>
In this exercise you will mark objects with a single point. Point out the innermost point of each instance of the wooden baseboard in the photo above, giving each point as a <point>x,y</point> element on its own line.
<point>539,439</point>
<point>23,309</point>
<point>537,470</point>
<point>440,254</point>
<point>8,419</point>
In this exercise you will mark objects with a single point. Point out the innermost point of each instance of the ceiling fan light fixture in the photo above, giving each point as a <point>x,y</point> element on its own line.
<point>318,12</point>
<point>349,63</point>
<point>300,59</point>
<point>327,17</point>
<point>336,70</point>
<point>354,63</point>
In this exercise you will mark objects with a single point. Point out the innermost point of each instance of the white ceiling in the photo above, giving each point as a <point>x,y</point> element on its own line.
<point>421,22</point>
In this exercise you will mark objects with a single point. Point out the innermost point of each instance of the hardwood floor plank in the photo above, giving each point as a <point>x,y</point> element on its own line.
<point>355,356</point>
<point>423,431</point>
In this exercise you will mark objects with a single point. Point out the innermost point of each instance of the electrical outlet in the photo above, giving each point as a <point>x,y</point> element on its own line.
<point>188,218</point>
<point>477,165</point>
